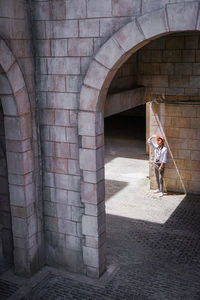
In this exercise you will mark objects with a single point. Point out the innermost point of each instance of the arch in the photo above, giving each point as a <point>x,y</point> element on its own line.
<point>20,162</point>
<point>173,17</point>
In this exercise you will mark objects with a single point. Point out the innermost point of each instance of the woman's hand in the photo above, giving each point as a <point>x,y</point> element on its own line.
<point>153,136</point>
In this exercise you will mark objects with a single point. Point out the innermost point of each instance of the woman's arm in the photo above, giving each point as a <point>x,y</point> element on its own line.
<point>149,141</point>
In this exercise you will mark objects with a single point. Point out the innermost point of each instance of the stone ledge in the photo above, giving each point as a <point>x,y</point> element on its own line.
<point>122,101</point>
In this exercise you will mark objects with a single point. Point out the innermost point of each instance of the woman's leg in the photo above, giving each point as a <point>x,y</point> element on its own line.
<point>161,173</point>
<point>157,176</point>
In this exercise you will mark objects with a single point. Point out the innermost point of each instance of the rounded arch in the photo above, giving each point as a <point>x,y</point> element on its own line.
<point>175,17</point>
<point>20,161</point>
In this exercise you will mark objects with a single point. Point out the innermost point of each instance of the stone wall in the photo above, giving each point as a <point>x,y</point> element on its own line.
<point>168,66</point>
<point>68,34</point>
<point>180,125</point>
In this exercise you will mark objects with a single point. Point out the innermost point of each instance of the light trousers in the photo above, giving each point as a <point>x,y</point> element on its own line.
<point>159,177</point>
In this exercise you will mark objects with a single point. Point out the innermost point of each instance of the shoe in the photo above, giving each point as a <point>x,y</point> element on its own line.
<point>156,191</point>
<point>161,194</point>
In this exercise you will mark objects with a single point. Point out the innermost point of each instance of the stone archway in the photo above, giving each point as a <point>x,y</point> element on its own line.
<point>173,18</point>
<point>20,162</point>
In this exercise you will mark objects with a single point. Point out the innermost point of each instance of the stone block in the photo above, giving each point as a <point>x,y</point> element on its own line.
<point>41,11</point>
<point>73,115</point>
<point>51,83</point>
<point>59,47</point>
<point>92,193</point>
<point>129,36</point>
<point>96,75</point>
<point>20,228</point>
<point>77,213</point>
<point>58,165</point>
<point>150,5</point>
<point>17,195</point>
<point>88,159</point>
<point>71,134</point>
<point>67,182</point>
<point>171,56</point>
<point>47,117</point>
<point>91,256</point>
<point>73,83</point>
<point>89,28</point>
<point>22,100</point>
<point>58,10</point>
<point>89,98</point>
<point>126,8</point>
<point>9,106</point>
<point>196,69</point>
<point>62,117</point>
<point>65,65</point>
<point>153,24</point>
<point>179,81</point>
<point>6,57</point>
<point>57,134</point>
<point>5,87</point>
<point>195,155</point>
<point>182,16</point>
<point>73,242</point>
<point>43,48</point>
<point>74,198</point>
<point>62,100</point>
<point>59,196</point>
<point>185,69</point>
<point>73,166</point>
<point>109,54</point>
<point>188,55</point>
<point>67,227</point>
<point>49,179</point>
<point>93,177</point>
<point>51,223</point>
<point>194,82</point>
<point>94,210</point>
<point>74,151</point>
<point>62,150</point>
<point>61,29</point>
<point>92,142</point>
<point>86,123</point>
<point>50,209</point>
<point>97,8</point>
<point>175,42</point>
<point>76,9</point>
<point>90,225</point>
<point>15,163</point>
<point>15,78</point>
<point>80,47</point>
<point>64,211</point>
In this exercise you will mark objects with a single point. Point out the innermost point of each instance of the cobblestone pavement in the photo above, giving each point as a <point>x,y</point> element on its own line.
<point>155,261</point>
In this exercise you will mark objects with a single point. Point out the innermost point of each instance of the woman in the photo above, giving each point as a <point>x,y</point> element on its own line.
<point>160,159</point>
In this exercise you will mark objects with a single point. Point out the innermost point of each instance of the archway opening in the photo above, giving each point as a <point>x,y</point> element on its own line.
<point>167,67</point>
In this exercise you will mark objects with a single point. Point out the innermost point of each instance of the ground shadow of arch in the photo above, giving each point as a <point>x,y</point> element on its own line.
<point>173,17</point>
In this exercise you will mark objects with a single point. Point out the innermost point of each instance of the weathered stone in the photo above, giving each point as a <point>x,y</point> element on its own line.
<point>153,24</point>
<point>182,16</point>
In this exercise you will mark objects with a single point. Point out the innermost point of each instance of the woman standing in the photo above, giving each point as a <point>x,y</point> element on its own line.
<point>160,159</point>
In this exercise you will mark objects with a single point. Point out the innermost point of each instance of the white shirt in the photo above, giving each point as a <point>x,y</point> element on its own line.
<point>160,153</point>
